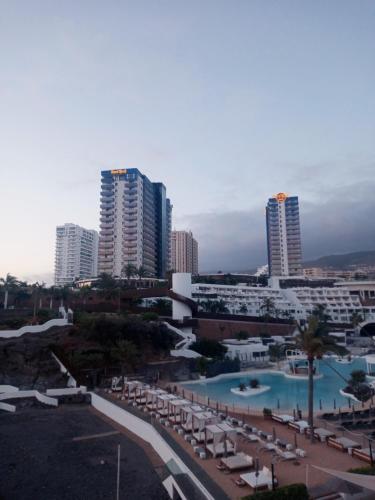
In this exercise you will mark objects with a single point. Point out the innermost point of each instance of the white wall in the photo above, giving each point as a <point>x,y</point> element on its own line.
<point>146,432</point>
<point>29,394</point>
<point>181,284</point>
<point>7,334</point>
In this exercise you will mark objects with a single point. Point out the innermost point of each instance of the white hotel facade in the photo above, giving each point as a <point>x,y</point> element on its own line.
<point>298,302</point>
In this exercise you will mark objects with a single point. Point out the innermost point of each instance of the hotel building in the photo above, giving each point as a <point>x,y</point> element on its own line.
<point>135,223</point>
<point>340,301</point>
<point>184,252</point>
<point>76,254</point>
<point>283,236</point>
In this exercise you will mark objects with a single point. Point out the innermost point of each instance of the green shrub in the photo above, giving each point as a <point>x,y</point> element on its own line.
<point>290,492</point>
<point>150,316</point>
<point>267,412</point>
<point>254,383</point>
<point>367,470</point>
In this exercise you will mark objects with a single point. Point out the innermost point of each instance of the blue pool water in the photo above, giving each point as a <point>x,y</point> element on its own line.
<point>285,393</point>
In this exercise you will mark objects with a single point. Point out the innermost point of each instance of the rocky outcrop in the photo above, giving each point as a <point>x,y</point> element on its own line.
<point>26,362</point>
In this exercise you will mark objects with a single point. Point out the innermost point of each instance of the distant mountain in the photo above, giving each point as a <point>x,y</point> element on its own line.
<point>344,261</point>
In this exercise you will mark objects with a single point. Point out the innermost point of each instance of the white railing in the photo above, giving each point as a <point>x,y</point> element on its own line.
<point>182,347</point>
<point>42,398</point>
<point>71,380</point>
<point>68,391</point>
<point>8,388</point>
<point>146,432</point>
<point>7,334</point>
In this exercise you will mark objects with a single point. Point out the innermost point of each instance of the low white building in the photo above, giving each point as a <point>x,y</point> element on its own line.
<point>247,351</point>
<point>297,302</point>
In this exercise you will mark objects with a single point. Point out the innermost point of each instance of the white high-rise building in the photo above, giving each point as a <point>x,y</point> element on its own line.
<point>283,236</point>
<point>76,254</point>
<point>184,252</point>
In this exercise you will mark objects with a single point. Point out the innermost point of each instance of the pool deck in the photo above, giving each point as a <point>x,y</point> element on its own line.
<point>287,472</point>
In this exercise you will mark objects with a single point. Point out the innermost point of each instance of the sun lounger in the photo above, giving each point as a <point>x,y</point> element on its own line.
<point>343,444</point>
<point>282,419</point>
<point>260,480</point>
<point>288,455</point>
<point>238,461</point>
<point>299,426</point>
<point>364,455</point>
<point>323,434</point>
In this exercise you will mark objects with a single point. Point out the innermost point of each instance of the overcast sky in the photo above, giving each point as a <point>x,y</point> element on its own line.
<point>225,102</point>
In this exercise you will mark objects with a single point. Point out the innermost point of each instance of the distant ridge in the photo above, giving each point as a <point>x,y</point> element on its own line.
<point>343,261</point>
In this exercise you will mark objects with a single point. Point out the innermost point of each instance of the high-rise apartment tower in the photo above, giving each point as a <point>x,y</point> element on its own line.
<point>76,254</point>
<point>283,236</point>
<point>135,223</point>
<point>184,252</point>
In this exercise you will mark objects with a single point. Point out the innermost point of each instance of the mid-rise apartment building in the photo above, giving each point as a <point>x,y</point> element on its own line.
<point>135,223</point>
<point>283,236</point>
<point>184,252</point>
<point>76,254</point>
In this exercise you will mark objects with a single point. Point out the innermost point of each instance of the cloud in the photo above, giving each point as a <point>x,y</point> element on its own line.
<point>340,221</point>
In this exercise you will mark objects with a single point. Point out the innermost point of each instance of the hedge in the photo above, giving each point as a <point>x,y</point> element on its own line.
<point>368,471</point>
<point>290,492</point>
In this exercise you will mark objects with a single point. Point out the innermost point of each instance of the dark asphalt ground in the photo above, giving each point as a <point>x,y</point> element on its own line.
<point>40,461</point>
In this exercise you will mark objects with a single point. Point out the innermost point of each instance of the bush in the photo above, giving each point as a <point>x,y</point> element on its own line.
<point>225,366</point>
<point>254,383</point>
<point>150,316</point>
<point>267,412</point>
<point>368,470</point>
<point>289,492</point>
<point>209,348</point>
<point>242,335</point>
<point>241,387</point>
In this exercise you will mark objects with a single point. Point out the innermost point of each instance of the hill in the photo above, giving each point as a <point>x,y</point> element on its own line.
<point>344,261</point>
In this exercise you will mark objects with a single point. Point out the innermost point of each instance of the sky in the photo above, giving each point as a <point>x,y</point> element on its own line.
<point>225,102</point>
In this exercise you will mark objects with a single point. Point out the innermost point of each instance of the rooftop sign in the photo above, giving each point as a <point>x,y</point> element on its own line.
<point>281,197</point>
<point>119,171</point>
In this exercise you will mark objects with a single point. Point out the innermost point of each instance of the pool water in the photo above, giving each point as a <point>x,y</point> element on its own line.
<point>285,393</point>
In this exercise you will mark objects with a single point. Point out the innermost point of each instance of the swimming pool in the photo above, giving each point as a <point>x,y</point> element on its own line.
<point>285,393</point>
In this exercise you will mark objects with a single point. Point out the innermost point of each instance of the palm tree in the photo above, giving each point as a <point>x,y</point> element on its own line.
<point>356,319</point>
<point>243,309</point>
<point>268,310</point>
<point>129,270</point>
<point>9,283</point>
<point>84,292</point>
<point>37,289</point>
<point>141,272</point>
<point>314,341</point>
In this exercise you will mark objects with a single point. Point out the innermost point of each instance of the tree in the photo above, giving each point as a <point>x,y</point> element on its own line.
<point>9,283</point>
<point>129,270</point>
<point>242,387</point>
<point>84,293</point>
<point>268,310</point>
<point>254,383</point>
<point>241,335</point>
<point>37,289</point>
<point>243,309</point>
<point>209,348</point>
<point>320,312</point>
<point>357,377</point>
<point>141,272</point>
<point>314,341</point>
<point>356,319</point>
<point>126,352</point>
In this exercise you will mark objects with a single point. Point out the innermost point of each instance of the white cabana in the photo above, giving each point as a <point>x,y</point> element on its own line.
<point>162,401</point>
<point>200,420</point>
<point>130,387</point>
<point>151,397</point>
<point>224,439</point>
<point>187,416</point>
<point>140,393</point>
<point>174,409</point>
